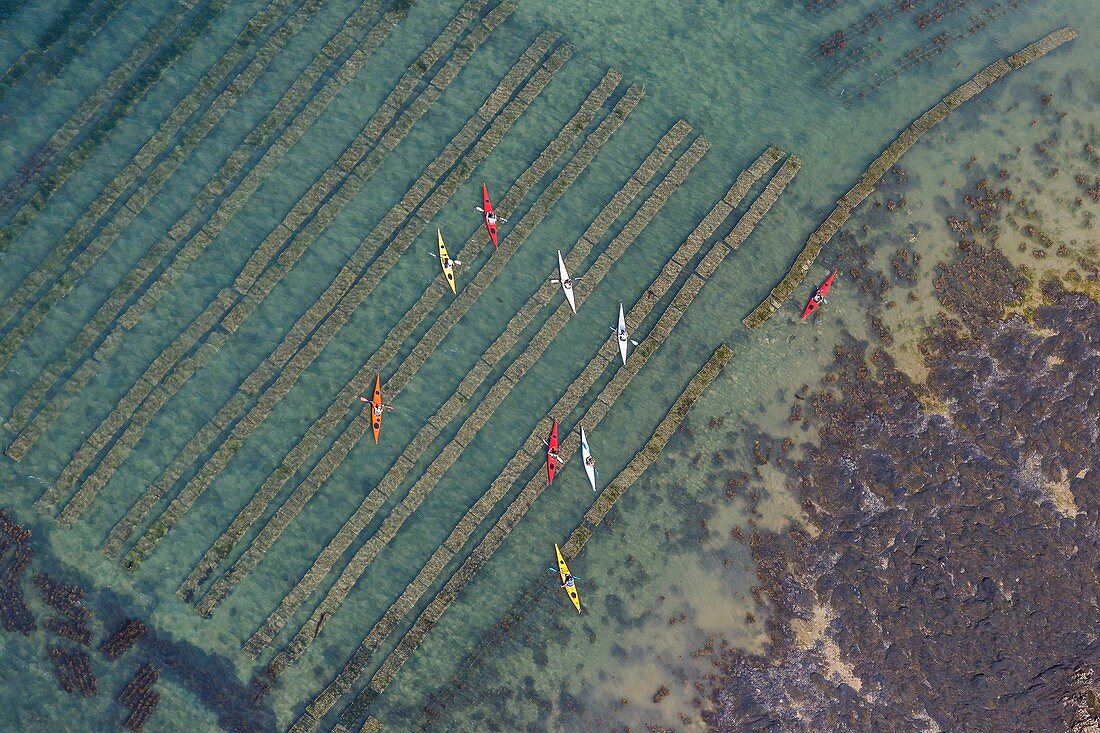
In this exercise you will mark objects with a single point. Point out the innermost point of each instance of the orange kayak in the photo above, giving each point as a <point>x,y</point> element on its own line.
<point>376,407</point>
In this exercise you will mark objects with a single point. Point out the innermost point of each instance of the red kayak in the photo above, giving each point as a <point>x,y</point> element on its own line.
<point>552,453</point>
<point>819,296</point>
<point>488,206</point>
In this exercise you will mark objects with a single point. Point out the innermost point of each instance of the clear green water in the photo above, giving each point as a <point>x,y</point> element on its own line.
<point>745,77</point>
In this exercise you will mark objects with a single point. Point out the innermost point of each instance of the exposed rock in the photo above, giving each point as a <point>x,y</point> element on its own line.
<point>955,545</point>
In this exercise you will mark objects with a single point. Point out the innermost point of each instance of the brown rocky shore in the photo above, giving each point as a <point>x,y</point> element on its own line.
<point>947,574</point>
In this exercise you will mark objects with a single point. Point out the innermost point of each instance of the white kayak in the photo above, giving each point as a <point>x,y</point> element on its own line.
<point>622,335</point>
<point>566,282</point>
<point>586,453</point>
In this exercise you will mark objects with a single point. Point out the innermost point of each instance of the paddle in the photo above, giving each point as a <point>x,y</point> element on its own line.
<point>561,461</point>
<point>499,217</point>
<point>455,263</point>
<point>617,332</point>
<point>555,571</point>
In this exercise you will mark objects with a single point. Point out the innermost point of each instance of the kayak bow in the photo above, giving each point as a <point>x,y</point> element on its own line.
<point>566,283</point>
<point>488,206</point>
<point>551,451</point>
<point>586,453</point>
<point>448,270</point>
<point>822,290</point>
<point>376,407</point>
<point>571,583</point>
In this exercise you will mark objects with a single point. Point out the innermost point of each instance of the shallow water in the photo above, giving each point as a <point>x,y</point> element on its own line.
<point>745,77</point>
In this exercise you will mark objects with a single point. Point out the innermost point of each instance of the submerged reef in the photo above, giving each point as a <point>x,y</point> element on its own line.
<point>139,697</point>
<point>946,570</point>
<point>71,620</point>
<point>947,573</point>
<point>15,556</point>
<point>74,670</point>
<point>76,606</point>
<point>129,633</point>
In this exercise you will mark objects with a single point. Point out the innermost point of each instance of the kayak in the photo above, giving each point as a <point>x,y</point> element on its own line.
<point>552,447</point>
<point>571,584</point>
<point>622,335</point>
<point>822,290</point>
<point>488,206</point>
<point>376,407</point>
<point>586,453</point>
<point>566,283</point>
<point>448,270</point>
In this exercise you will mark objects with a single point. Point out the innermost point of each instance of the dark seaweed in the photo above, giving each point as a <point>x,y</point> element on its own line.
<point>213,680</point>
<point>74,670</point>
<point>962,592</point>
<point>139,696</point>
<point>129,633</point>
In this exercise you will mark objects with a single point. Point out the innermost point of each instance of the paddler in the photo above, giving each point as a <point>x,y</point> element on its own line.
<point>622,334</point>
<point>551,453</point>
<point>570,581</point>
<point>377,409</point>
<point>567,283</point>
<point>448,262</point>
<point>590,461</point>
<point>491,217</point>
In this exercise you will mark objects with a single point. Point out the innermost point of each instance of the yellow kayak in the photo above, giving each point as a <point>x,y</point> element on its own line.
<point>570,584</point>
<point>444,261</point>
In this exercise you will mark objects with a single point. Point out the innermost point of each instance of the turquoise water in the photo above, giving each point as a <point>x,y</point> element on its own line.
<point>743,75</point>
